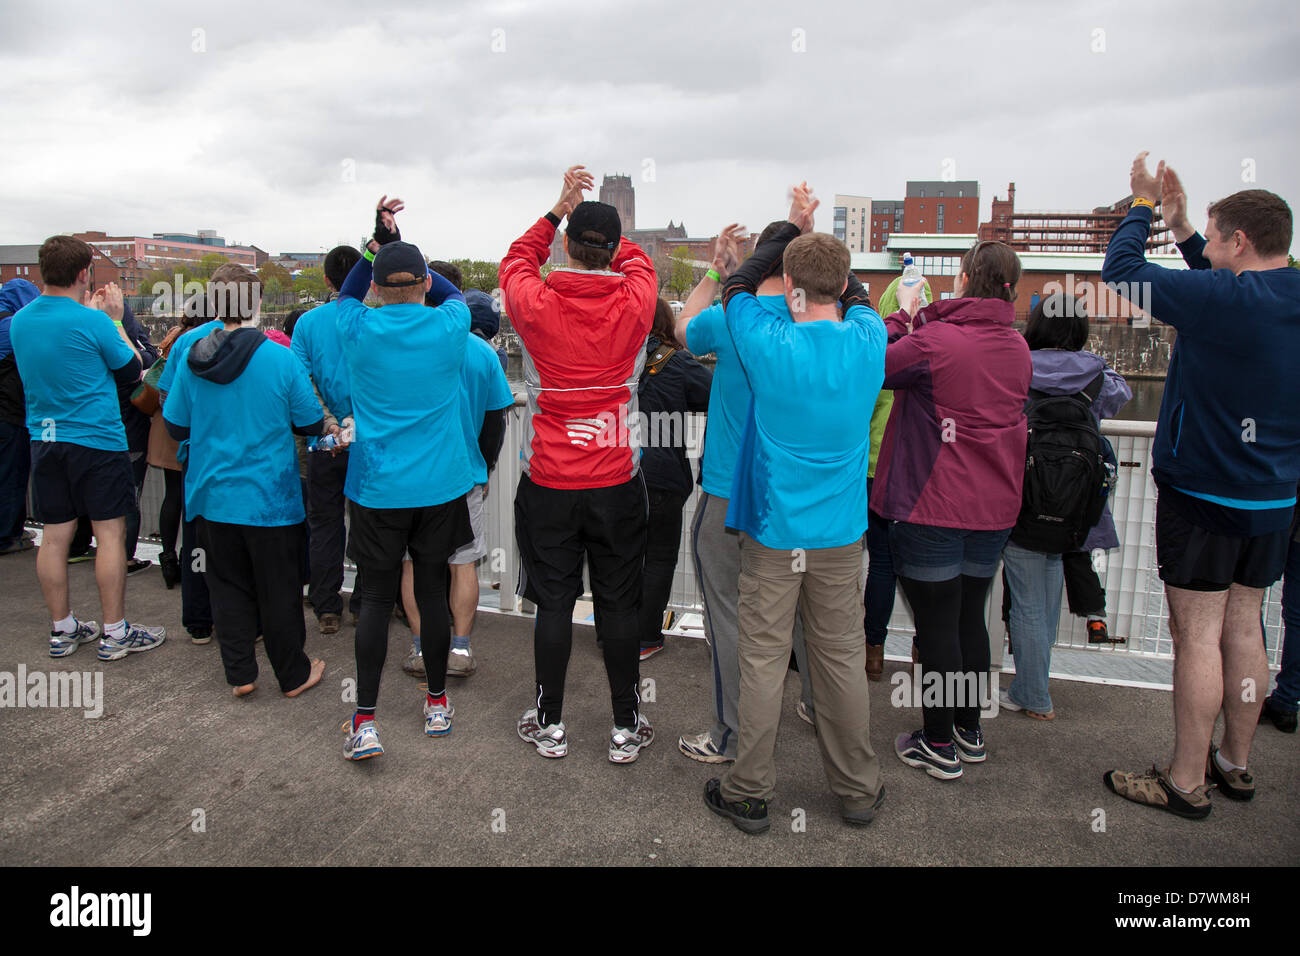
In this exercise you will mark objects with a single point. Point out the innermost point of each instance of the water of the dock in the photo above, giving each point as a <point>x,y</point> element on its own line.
<point>176,771</point>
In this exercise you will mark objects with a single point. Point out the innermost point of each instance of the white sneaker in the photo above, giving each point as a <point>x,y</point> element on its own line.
<point>550,741</point>
<point>625,743</point>
<point>437,718</point>
<point>362,743</point>
<point>138,637</point>
<point>61,645</point>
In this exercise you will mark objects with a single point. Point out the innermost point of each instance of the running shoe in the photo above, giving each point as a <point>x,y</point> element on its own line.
<point>414,663</point>
<point>747,815</point>
<point>363,742</point>
<point>625,743</point>
<point>550,740</point>
<point>61,645</point>
<point>939,762</point>
<point>138,637</point>
<point>87,555</point>
<point>702,748</point>
<point>651,650</point>
<point>461,663</point>
<point>135,567</point>
<point>970,744</point>
<point>437,717</point>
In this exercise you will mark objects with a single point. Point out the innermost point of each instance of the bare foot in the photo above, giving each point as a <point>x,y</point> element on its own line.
<point>313,678</point>
<point>243,690</point>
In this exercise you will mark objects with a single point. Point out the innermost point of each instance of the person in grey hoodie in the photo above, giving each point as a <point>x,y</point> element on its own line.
<point>1057,335</point>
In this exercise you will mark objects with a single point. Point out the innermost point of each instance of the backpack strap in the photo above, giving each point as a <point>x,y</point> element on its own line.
<point>1093,388</point>
<point>658,359</point>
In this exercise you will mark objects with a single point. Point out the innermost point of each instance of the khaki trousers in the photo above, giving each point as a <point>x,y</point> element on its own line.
<point>824,584</point>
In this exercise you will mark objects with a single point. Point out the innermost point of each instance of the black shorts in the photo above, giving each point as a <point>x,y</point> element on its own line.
<point>71,481</point>
<point>1192,557</point>
<point>379,538</point>
<point>557,527</point>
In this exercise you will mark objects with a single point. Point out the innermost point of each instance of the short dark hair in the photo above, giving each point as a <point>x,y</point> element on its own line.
<point>1263,217</point>
<point>992,270</point>
<point>1058,322</point>
<point>291,320</point>
<point>588,256</point>
<point>234,293</point>
<point>768,232</point>
<point>61,258</point>
<point>338,263</point>
<point>449,271</point>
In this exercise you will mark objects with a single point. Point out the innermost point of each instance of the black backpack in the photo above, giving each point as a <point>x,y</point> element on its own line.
<point>1067,478</point>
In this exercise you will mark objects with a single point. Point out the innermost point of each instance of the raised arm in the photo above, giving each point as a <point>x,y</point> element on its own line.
<point>726,256</point>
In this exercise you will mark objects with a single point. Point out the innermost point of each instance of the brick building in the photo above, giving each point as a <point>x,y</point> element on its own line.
<point>929,207</point>
<point>164,250</point>
<point>1065,230</point>
<point>22,262</point>
<point>939,258</point>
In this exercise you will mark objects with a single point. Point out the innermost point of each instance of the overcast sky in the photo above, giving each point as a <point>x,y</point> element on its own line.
<point>280,124</point>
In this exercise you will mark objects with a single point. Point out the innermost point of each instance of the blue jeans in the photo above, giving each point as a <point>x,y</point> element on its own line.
<point>1035,580</point>
<point>1287,692</point>
<point>931,553</point>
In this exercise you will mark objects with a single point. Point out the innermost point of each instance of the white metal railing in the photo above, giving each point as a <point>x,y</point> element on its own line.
<point>1135,605</point>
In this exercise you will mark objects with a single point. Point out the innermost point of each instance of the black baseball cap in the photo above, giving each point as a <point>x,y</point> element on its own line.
<point>598,217</point>
<point>398,257</point>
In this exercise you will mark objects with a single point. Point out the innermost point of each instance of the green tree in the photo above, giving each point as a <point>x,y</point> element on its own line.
<point>478,274</point>
<point>312,282</point>
<point>682,277</point>
<point>275,279</point>
<point>209,264</point>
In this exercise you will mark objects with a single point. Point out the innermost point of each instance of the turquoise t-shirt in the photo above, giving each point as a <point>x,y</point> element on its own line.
<point>66,355</point>
<point>485,389</point>
<point>729,395</point>
<point>243,462</point>
<point>404,364</point>
<point>801,472</point>
<point>316,345</point>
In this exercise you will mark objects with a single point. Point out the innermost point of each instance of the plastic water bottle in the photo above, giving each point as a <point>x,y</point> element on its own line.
<point>326,443</point>
<point>912,277</point>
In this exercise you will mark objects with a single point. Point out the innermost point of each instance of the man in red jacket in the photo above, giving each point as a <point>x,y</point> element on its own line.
<point>583,330</point>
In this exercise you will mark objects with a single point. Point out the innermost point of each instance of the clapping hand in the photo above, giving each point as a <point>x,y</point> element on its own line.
<point>1141,183</point>
<point>386,230</point>
<point>576,181</point>
<point>108,299</point>
<point>1173,202</point>
<point>802,206</point>
<point>726,254</point>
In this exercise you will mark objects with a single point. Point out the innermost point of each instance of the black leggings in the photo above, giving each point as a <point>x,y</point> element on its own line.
<point>951,638</point>
<point>169,514</point>
<point>379,591</point>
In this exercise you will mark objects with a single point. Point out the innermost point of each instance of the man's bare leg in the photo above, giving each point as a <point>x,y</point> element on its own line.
<point>464,597</point>
<point>52,566</point>
<point>110,568</point>
<point>1244,660</point>
<point>1196,623</point>
<point>408,596</point>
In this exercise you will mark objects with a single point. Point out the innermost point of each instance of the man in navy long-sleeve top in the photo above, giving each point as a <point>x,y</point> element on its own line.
<point>1226,460</point>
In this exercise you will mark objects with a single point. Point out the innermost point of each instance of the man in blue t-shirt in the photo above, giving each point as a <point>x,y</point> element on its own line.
<point>703,328</point>
<point>485,397</point>
<point>408,468</point>
<point>799,501</point>
<point>316,344</point>
<point>70,358</point>
<point>238,405</point>
<point>1226,460</point>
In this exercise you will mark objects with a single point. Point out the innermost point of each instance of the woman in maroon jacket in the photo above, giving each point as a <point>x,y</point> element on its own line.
<point>949,477</point>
